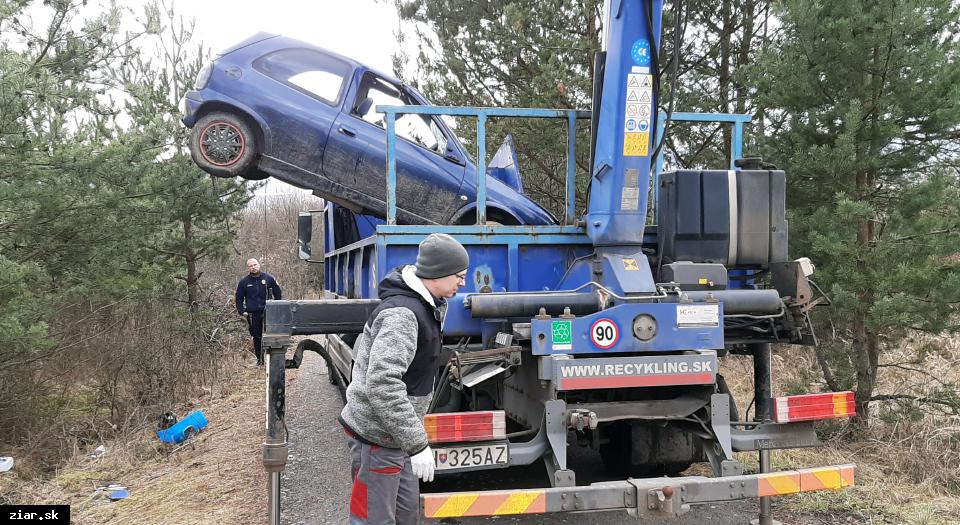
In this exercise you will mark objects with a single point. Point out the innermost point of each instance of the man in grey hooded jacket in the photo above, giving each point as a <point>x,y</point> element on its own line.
<point>397,358</point>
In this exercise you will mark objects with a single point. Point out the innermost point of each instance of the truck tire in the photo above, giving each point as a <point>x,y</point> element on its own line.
<point>224,145</point>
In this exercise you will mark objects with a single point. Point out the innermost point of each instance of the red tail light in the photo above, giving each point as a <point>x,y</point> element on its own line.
<point>465,426</point>
<point>810,407</point>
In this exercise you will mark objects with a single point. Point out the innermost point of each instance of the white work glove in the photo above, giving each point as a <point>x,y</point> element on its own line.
<point>423,464</point>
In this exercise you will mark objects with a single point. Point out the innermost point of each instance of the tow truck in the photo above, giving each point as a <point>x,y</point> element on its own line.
<point>603,331</point>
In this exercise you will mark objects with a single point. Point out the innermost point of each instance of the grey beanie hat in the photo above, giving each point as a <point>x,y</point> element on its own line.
<point>441,255</point>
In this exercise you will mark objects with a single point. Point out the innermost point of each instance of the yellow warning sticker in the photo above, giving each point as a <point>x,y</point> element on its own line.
<point>631,265</point>
<point>636,144</point>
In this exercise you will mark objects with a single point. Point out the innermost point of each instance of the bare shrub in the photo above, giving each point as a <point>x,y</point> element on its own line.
<point>268,233</point>
<point>116,368</point>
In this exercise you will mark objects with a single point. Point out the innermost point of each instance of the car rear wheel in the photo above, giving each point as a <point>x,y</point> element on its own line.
<point>224,145</point>
<point>255,175</point>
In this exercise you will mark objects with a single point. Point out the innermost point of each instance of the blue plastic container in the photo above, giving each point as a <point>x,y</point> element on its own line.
<point>185,428</point>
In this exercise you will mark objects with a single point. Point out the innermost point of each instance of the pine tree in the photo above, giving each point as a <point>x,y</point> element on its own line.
<point>863,107</point>
<point>718,41</point>
<point>96,193</point>
<point>511,54</point>
<point>540,54</point>
<point>197,214</point>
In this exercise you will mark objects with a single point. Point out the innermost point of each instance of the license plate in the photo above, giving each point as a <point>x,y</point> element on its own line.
<point>471,456</point>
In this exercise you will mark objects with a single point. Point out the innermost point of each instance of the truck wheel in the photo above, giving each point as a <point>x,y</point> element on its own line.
<point>224,145</point>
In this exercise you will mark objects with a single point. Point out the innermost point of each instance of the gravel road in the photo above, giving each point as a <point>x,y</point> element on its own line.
<point>316,483</point>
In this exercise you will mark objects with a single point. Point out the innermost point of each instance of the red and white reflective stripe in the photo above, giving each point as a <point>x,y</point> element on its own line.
<point>465,426</point>
<point>811,407</point>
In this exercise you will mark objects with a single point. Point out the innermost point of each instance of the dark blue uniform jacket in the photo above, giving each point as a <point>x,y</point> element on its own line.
<point>252,292</point>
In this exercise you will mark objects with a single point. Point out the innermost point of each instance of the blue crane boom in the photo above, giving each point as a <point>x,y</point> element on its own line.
<point>626,114</point>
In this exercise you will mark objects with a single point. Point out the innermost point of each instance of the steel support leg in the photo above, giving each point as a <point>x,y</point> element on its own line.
<point>275,441</point>
<point>762,381</point>
<point>763,392</point>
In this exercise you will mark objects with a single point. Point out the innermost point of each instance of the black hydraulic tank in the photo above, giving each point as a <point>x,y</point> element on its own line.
<point>735,218</point>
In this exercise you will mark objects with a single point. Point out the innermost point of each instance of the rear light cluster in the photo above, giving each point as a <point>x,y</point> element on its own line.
<point>465,426</point>
<point>811,407</point>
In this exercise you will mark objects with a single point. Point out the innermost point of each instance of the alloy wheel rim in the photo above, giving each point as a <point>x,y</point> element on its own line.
<point>222,144</point>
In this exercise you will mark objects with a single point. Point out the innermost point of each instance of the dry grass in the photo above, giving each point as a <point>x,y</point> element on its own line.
<point>908,461</point>
<point>214,479</point>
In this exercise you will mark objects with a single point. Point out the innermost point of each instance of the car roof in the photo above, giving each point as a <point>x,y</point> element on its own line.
<point>264,42</point>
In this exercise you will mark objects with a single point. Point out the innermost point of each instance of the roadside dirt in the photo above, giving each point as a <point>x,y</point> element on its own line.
<point>213,479</point>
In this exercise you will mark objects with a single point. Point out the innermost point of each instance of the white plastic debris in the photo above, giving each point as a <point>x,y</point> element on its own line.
<point>98,452</point>
<point>6,463</point>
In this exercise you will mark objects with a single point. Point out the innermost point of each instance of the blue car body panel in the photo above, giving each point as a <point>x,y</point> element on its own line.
<point>324,145</point>
<point>504,166</point>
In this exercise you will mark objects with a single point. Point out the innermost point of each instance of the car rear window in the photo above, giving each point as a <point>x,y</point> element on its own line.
<point>312,72</point>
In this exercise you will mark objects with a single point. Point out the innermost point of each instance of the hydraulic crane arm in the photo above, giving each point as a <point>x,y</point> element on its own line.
<point>626,113</point>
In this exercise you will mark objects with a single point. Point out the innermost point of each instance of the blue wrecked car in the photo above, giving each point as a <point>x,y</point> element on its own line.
<point>273,106</point>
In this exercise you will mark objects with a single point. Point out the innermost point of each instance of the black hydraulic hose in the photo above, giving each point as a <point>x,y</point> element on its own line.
<point>654,70</point>
<point>599,67</point>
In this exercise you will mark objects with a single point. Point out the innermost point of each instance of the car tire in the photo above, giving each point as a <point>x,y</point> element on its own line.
<point>224,145</point>
<point>255,175</point>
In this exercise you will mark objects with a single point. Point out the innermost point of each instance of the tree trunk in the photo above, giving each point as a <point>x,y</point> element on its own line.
<point>867,345</point>
<point>193,288</point>
<point>761,113</point>
<point>743,54</point>
<point>726,31</point>
<point>866,371</point>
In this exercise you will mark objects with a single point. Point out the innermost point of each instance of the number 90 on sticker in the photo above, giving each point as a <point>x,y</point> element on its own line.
<point>604,333</point>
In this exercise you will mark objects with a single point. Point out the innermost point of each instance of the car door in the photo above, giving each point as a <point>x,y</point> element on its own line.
<point>300,117</point>
<point>343,150</point>
<point>427,180</point>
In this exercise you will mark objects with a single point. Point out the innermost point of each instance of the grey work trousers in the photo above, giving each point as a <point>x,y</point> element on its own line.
<point>385,491</point>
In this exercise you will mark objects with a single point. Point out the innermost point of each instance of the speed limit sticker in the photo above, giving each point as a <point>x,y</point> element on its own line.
<point>604,333</point>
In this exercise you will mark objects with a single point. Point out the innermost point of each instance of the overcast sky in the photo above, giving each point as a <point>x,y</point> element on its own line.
<point>360,29</point>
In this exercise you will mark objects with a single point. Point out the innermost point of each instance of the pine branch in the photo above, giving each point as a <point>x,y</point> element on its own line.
<point>954,408</point>
<point>902,366</point>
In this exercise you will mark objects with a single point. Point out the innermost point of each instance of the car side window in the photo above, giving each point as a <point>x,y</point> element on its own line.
<point>419,129</point>
<point>309,71</point>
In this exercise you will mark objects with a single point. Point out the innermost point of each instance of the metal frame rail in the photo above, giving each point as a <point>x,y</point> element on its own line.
<point>482,114</point>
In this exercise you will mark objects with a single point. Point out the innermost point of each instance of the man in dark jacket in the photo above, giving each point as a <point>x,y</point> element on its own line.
<point>252,294</point>
<point>397,358</point>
